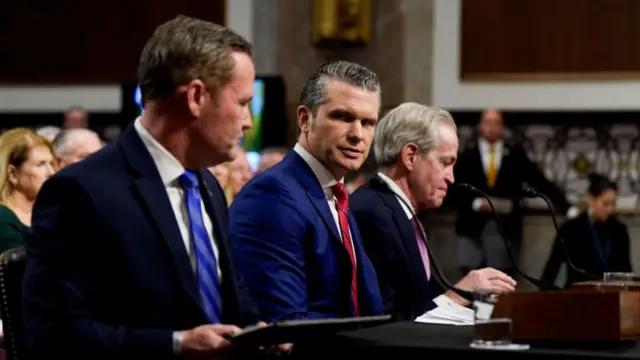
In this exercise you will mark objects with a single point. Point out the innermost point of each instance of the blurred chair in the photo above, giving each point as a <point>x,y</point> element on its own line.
<point>12,267</point>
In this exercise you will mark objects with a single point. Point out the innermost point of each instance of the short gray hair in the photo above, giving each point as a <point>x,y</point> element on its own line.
<point>408,123</point>
<point>64,141</point>
<point>314,92</point>
<point>48,131</point>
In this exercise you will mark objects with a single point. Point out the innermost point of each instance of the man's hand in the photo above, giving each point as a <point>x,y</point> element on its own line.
<point>207,341</point>
<point>281,349</point>
<point>487,280</point>
<point>484,205</point>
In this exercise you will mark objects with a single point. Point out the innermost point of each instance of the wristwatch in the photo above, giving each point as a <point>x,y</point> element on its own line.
<point>177,342</point>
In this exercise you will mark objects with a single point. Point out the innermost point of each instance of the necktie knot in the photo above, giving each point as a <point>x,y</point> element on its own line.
<point>341,194</point>
<point>189,180</point>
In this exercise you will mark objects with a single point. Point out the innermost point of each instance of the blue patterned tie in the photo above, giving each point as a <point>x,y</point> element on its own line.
<point>207,273</point>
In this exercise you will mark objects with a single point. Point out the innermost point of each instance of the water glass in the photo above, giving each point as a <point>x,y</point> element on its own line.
<point>618,279</point>
<point>489,332</point>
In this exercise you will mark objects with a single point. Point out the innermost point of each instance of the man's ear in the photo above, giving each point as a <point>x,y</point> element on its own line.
<point>304,118</point>
<point>409,156</point>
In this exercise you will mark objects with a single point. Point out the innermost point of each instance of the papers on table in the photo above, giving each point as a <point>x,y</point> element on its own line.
<point>447,313</point>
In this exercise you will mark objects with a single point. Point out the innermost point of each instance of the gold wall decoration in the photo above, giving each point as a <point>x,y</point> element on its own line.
<point>341,23</point>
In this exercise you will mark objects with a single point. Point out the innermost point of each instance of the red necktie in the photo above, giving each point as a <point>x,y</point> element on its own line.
<point>340,192</point>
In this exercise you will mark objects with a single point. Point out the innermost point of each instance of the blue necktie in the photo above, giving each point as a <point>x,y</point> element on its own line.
<point>206,272</point>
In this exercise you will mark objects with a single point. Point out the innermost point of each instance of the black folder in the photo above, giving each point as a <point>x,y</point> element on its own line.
<point>295,331</point>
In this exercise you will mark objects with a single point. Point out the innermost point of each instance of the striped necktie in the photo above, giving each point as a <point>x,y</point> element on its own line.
<point>206,269</point>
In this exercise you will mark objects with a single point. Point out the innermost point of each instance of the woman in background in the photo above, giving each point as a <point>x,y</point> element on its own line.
<point>26,161</point>
<point>233,175</point>
<point>597,242</point>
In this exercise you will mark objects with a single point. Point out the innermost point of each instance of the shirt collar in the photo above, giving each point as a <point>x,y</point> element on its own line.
<point>399,193</point>
<point>168,166</point>
<point>325,178</point>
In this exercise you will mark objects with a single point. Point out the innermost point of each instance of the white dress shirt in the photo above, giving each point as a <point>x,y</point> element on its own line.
<point>440,300</point>
<point>170,170</point>
<point>326,181</point>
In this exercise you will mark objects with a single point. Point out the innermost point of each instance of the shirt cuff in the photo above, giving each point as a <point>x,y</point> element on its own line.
<point>476,204</point>
<point>443,300</point>
<point>177,342</point>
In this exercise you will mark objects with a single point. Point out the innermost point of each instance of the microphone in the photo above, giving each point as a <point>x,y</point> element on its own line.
<point>542,285</point>
<point>532,194</point>
<point>442,281</point>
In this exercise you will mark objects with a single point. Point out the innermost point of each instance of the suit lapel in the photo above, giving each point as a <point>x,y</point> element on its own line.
<point>477,162</point>
<point>315,193</point>
<point>155,202</point>
<point>404,228</point>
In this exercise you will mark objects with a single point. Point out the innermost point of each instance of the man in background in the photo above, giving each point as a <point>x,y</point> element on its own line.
<point>500,169</point>
<point>48,132</point>
<point>76,117</point>
<point>270,157</point>
<point>73,145</point>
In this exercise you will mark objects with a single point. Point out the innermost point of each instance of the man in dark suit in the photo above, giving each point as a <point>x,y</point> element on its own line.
<point>500,169</point>
<point>415,147</point>
<point>294,241</point>
<point>128,257</point>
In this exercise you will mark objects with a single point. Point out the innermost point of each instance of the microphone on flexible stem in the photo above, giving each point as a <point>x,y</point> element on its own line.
<point>542,285</point>
<point>442,281</point>
<point>532,194</point>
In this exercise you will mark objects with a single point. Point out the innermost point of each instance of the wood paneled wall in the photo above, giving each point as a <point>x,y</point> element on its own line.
<point>549,39</point>
<point>84,42</point>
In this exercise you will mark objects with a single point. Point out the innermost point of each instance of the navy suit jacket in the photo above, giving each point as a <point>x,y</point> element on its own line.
<point>108,275</point>
<point>289,250</point>
<point>390,243</point>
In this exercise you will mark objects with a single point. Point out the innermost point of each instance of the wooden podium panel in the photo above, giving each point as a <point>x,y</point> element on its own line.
<point>578,315</point>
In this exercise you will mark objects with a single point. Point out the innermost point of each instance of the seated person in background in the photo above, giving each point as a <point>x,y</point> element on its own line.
<point>239,174</point>
<point>270,157</point>
<point>48,132</point>
<point>294,239</point>
<point>26,162</point>
<point>597,242</point>
<point>416,147</point>
<point>221,173</point>
<point>73,145</point>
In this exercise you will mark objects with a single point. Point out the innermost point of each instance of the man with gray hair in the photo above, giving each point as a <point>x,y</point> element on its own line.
<point>416,147</point>
<point>73,145</point>
<point>295,242</point>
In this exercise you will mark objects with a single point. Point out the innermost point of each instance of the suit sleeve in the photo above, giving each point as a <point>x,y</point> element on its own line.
<point>65,266</point>
<point>267,231</point>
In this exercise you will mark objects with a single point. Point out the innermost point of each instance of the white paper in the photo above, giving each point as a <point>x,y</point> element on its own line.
<point>448,313</point>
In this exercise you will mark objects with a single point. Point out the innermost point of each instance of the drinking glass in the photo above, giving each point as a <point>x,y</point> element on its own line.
<point>490,332</point>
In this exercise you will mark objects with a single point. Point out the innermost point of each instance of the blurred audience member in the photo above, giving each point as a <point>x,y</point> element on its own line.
<point>26,161</point>
<point>221,172</point>
<point>76,117</point>
<point>73,145</point>
<point>48,132</point>
<point>239,174</point>
<point>596,241</point>
<point>270,157</point>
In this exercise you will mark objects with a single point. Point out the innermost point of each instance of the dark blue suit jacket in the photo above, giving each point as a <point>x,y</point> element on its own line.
<point>108,275</point>
<point>290,252</point>
<point>390,243</point>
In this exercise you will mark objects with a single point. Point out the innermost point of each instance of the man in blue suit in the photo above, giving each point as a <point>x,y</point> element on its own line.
<point>128,257</point>
<point>294,239</point>
<point>415,147</point>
